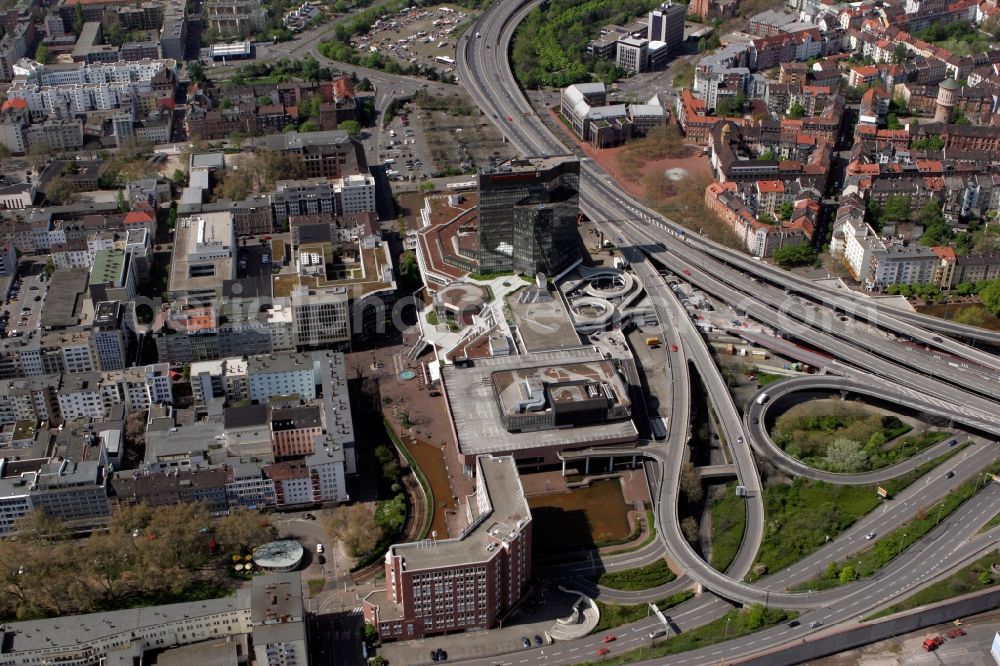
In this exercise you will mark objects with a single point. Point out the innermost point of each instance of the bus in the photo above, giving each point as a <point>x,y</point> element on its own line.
<point>658,425</point>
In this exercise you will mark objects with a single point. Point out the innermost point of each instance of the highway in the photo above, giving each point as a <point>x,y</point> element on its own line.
<point>485,71</point>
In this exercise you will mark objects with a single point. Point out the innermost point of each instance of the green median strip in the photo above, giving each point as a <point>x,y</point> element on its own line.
<point>734,624</point>
<point>729,520</point>
<point>977,576</point>
<point>994,521</point>
<point>885,550</point>
<point>615,615</point>
<point>641,578</point>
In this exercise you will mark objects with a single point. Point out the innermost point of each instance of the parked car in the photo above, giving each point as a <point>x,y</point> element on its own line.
<point>525,643</point>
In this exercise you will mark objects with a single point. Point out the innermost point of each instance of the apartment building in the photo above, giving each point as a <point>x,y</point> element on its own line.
<point>314,196</point>
<point>328,154</point>
<point>224,379</point>
<point>273,375</point>
<point>235,17</point>
<point>321,318</point>
<point>354,193</point>
<point>463,583</point>
<point>278,618</point>
<point>62,90</point>
<point>294,430</point>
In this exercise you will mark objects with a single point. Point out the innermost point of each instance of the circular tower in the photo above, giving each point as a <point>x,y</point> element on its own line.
<point>947,92</point>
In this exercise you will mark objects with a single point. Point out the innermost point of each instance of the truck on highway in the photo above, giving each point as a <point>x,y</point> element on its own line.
<point>658,426</point>
<point>763,398</point>
<point>932,644</point>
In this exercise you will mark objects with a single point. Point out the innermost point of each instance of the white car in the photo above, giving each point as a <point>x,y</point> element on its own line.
<point>870,535</point>
<point>319,548</point>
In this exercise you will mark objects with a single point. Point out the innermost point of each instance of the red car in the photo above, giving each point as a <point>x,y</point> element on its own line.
<point>673,348</point>
<point>686,272</point>
<point>510,118</point>
<point>610,638</point>
<point>603,651</point>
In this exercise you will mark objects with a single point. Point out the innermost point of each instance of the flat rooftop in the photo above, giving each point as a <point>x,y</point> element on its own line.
<point>203,253</point>
<point>567,383</point>
<point>476,413</point>
<point>506,515</point>
<point>63,298</point>
<point>543,322</point>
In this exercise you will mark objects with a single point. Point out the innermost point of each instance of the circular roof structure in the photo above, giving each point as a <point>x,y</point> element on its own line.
<point>459,296</point>
<point>950,84</point>
<point>278,555</point>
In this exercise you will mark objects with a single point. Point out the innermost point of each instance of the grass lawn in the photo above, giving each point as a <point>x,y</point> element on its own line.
<point>316,586</point>
<point>615,615</point>
<point>976,576</point>
<point>800,516</point>
<point>880,553</point>
<point>765,378</point>
<point>729,519</point>
<point>642,578</point>
<point>733,624</point>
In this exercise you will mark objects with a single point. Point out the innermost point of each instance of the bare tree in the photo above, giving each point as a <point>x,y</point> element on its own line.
<point>690,483</point>
<point>355,527</point>
<point>689,528</point>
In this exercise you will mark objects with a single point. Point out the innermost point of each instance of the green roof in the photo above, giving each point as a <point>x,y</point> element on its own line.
<point>109,266</point>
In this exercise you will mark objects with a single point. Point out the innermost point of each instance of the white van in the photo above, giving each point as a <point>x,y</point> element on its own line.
<point>657,633</point>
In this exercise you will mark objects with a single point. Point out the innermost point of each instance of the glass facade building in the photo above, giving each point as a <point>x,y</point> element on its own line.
<point>528,211</point>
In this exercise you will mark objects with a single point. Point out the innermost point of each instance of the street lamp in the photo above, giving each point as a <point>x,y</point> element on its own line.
<point>940,506</point>
<point>857,572</point>
<point>726,634</point>
<point>899,544</point>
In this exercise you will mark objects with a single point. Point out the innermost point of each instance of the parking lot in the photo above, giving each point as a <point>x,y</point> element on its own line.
<point>424,36</point>
<point>404,151</point>
<point>22,310</point>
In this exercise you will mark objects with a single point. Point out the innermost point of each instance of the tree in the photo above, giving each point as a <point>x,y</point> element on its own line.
<point>370,634</point>
<point>180,177</point>
<point>896,209</point>
<point>135,439</point>
<point>789,256</point>
<point>690,484</point>
<point>352,127</point>
<point>899,53</point>
<point>731,105</point>
<point>991,296</point>
<point>847,574</point>
<point>236,184</point>
<point>42,54</point>
<point>236,139</point>
<point>59,191</point>
<point>892,122</point>
<point>311,69</point>
<point>689,528</point>
<point>277,165</point>
<point>78,19</point>
<point>985,578</point>
<point>122,203</point>
<point>354,526</point>
<point>377,660</point>
<point>846,455</point>
<point>796,111</point>
<point>786,210</point>
<point>754,616</point>
<point>243,530</point>
<point>196,73</point>
<point>409,272</point>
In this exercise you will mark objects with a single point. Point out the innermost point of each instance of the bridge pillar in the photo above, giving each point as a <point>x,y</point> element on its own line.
<point>633,461</point>
<point>564,467</point>
<point>611,463</point>
<point>586,465</point>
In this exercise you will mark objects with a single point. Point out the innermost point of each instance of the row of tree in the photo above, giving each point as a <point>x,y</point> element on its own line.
<point>146,553</point>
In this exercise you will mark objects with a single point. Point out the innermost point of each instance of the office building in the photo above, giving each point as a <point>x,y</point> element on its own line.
<point>462,583</point>
<point>107,335</point>
<point>666,25</point>
<point>202,257</point>
<point>632,54</point>
<point>528,210</point>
